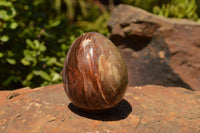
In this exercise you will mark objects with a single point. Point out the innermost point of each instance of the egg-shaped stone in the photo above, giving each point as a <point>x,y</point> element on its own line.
<point>94,74</point>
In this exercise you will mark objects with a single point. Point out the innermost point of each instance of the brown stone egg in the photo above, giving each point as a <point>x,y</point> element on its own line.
<point>94,74</point>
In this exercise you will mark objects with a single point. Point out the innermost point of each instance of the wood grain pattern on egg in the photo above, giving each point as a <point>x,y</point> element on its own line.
<point>94,74</point>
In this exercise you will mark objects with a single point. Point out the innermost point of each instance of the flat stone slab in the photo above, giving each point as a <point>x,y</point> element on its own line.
<point>147,108</point>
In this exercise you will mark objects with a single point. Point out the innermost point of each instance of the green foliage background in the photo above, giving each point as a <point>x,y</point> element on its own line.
<point>36,35</point>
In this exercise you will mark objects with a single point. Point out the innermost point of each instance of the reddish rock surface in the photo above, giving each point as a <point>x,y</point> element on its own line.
<point>157,50</point>
<point>144,109</point>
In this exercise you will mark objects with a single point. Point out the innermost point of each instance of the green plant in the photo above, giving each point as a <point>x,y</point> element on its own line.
<point>35,37</point>
<point>178,9</point>
<point>7,21</point>
<point>99,25</point>
<point>34,42</point>
<point>189,9</point>
<point>88,18</point>
<point>145,4</point>
<point>69,8</point>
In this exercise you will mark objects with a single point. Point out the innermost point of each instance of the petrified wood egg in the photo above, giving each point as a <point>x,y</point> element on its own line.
<point>94,74</point>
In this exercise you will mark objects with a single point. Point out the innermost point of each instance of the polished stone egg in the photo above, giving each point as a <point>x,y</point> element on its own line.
<point>94,73</point>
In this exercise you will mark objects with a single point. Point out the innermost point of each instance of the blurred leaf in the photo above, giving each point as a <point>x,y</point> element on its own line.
<point>53,23</point>
<point>5,3</point>
<point>30,43</point>
<point>9,80</point>
<point>4,38</point>
<point>36,43</point>
<point>51,61</point>
<point>13,25</point>
<point>1,55</point>
<point>29,55</point>
<point>28,79</point>
<point>55,76</point>
<point>7,15</point>
<point>64,46</point>
<point>83,8</point>
<point>25,62</point>
<point>58,5</point>
<point>11,61</point>
<point>43,74</point>
<point>60,64</point>
<point>42,47</point>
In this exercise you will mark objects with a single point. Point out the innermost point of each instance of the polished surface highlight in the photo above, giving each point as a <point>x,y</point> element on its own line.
<point>94,73</point>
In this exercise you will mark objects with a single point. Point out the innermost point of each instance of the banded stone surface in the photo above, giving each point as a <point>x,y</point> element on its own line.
<point>94,74</point>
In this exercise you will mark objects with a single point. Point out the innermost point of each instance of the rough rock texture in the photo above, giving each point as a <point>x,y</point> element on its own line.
<point>144,109</point>
<point>157,50</point>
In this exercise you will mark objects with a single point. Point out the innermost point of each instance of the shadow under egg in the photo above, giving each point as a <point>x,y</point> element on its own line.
<point>119,112</point>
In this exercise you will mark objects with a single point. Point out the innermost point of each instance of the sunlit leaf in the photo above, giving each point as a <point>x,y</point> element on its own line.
<point>5,3</point>
<point>30,55</point>
<point>55,76</point>
<point>8,14</point>
<point>13,25</point>
<point>42,47</point>
<point>45,76</point>
<point>1,54</point>
<point>53,23</point>
<point>36,43</point>
<point>30,43</point>
<point>25,62</point>
<point>26,82</point>
<point>65,46</point>
<point>51,61</point>
<point>4,38</point>
<point>42,74</point>
<point>11,61</point>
